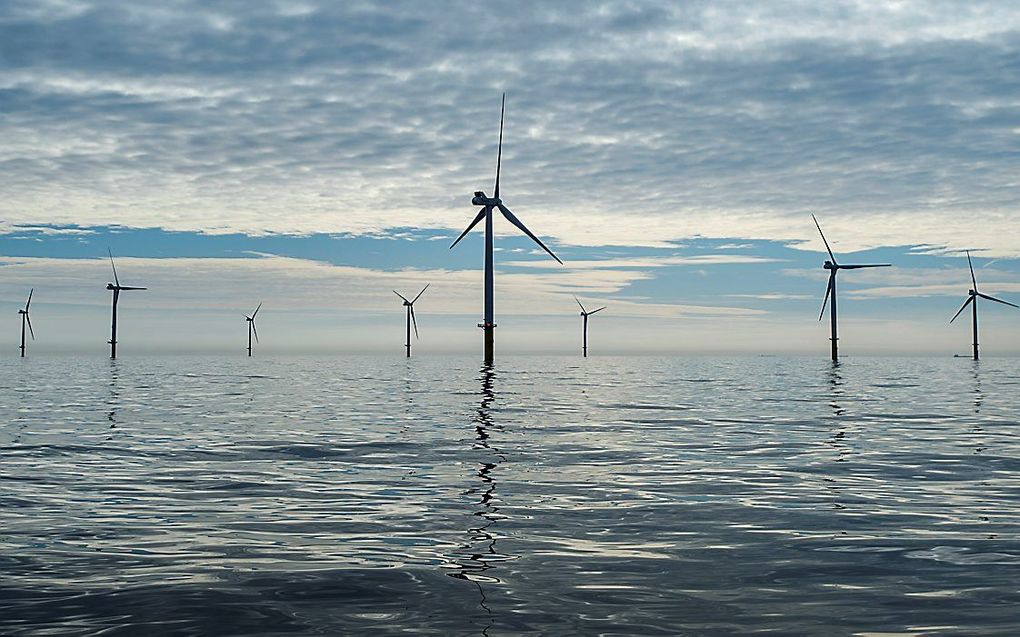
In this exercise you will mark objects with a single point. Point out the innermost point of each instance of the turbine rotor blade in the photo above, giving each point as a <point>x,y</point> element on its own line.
<point>499,152</point>
<point>422,292</point>
<point>973,279</point>
<point>825,301</point>
<point>517,222</point>
<point>255,331</point>
<point>114,266</point>
<point>30,292</point>
<point>131,287</point>
<point>970,299</point>
<point>478,217</point>
<point>414,321</point>
<point>598,310</point>
<point>868,265</point>
<point>401,296</point>
<point>580,306</point>
<point>29,320</point>
<point>256,311</point>
<point>831,255</point>
<point>992,298</point>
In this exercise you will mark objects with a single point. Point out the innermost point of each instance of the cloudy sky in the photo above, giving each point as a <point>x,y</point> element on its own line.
<point>316,155</point>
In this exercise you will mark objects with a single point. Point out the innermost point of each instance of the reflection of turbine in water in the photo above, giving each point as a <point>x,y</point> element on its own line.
<point>473,567</point>
<point>836,386</point>
<point>114,402</point>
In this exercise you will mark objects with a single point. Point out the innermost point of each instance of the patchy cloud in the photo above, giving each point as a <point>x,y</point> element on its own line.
<point>628,123</point>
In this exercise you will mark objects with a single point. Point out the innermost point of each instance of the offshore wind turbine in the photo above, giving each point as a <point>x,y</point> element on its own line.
<point>116,287</point>
<point>25,319</point>
<point>833,267</point>
<point>973,294</point>
<point>488,323</point>
<point>584,315</point>
<point>410,316</point>
<point>251,327</point>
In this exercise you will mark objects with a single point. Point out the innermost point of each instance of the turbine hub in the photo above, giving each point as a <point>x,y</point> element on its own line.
<point>481,200</point>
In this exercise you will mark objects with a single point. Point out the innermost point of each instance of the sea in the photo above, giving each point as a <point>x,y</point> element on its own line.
<point>614,495</point>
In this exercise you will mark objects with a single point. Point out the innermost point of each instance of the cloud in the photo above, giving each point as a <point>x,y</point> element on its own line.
<point>235,283</point>
<point>628,124</point>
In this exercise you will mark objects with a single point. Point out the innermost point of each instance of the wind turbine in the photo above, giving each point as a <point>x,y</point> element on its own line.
<point>833,267</point>
<point>488,323</point>
<point>25,319</point>
<point>251,327</point>
<point>410,316</point>
<point>972,297</point>
<point>116,287</point>
<point>584,315</point>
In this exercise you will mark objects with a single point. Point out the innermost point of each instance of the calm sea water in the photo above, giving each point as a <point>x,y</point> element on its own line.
<point>556,496</point>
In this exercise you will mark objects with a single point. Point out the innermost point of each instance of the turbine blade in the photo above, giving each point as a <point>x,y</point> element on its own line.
<point>131,287</point>
<point>825,301</point>
<point>478,217</point>
<point>29,319</point>
<point>598,310</point>
<point>963,307</point>
<point>499,152</point>
<point>414,322</point>
<point>255,331</point>
<point>973,279</point>
<point>30,292</point>
<point>256,311</point>
<point>579,304</point>
<point>422,292</point>
<point>831,255</point>
<point>114,266</point>
<point>868,265</point>
<point>517,222</point>
<point>401,296</point>
<point>992,298</point>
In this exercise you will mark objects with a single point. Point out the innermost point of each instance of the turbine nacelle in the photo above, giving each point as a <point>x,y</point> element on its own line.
<point>481,200</point>
<point>829,265</point>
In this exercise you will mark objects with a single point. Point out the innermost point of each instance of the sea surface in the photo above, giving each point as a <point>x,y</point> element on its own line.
<point>545,496</point>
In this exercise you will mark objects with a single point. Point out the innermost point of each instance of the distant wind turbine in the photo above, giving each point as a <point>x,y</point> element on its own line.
<point>973,294</point>
<point>251,327</point>
<point>25,319</point>
<point>116,287</point>
<point>410,316</point>
<point>488,203</point>
<point>584,315</point>
<point>833,267</point>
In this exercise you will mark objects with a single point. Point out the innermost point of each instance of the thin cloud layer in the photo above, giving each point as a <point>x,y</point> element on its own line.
<point>628,123</point>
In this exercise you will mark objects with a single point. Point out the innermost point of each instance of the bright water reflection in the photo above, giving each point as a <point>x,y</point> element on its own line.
<point>545,495</point>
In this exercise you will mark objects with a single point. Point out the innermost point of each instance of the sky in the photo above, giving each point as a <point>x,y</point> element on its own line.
<point>314,156</point>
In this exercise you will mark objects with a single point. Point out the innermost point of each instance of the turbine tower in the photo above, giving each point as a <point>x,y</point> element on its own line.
<point>116,287</point>
<point>251,327</point>
<point>584,315</point>
<point>25,319</point>
<point>410,317</point>
<point>488,323</point>
<point>972,297</point>
<point>833,267</point>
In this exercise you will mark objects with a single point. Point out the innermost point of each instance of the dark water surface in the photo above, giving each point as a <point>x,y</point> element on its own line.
<point>616,496</point>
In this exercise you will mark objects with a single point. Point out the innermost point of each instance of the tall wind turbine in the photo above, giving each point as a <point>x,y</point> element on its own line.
<point>410,316</point>
<point>25,319</point>
<point>116,287</point>
<point>488,323</point>
<point>833,267</point>
<point>251,327</point>
<point>584,315</point>
<point>973,294</point>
